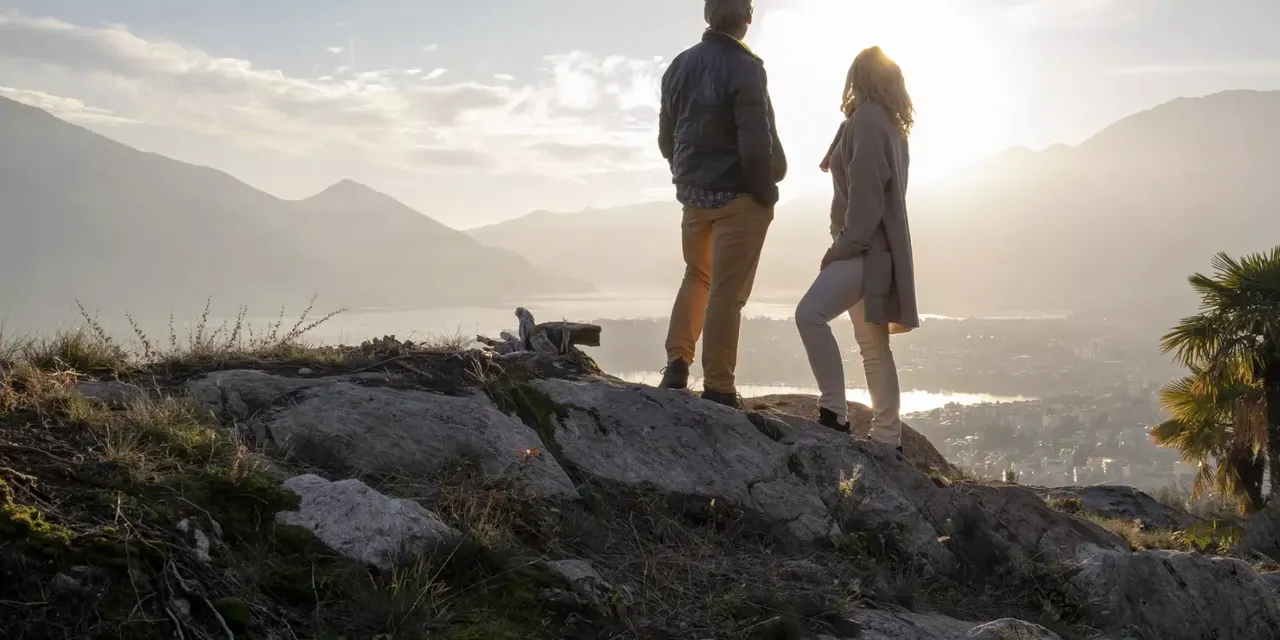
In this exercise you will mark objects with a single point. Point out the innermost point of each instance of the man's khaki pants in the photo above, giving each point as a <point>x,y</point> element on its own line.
<point>721,252</point>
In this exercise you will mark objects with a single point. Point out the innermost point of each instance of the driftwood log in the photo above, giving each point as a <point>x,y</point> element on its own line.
<point>548,337</point>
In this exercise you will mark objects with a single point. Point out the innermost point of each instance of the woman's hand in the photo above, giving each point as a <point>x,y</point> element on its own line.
<point>825,165</point>
<point>827,259</point>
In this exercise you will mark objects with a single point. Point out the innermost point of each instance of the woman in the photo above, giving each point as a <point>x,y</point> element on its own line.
<point>867,271</point>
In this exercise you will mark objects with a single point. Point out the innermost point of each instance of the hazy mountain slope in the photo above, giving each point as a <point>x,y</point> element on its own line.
<point>1111,226</point>
<point>85,217</point>
<point>632,246</point>
<point>413,255</point>
<point>1116,224</point>
<point>638,246</point>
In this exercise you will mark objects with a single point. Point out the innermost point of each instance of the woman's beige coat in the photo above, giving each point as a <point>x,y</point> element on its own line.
<point>869,166</point>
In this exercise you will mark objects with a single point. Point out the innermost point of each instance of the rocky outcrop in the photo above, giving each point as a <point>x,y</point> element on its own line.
<point>239,394</point>
<point>362,524</point>
<point>112,393</point>
<point>1167,594</point>
<point>683,447</point>
<point>338,424</point>
<point>1122,503</point>
<point>1261,533</point>
<point>575,583</point>
<point>1019,522</point>
<point>789,478</point>
<point>884,625</point>
<point>922,454</point>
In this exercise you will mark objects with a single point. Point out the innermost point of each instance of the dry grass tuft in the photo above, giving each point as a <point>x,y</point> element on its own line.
<point>234,341</point>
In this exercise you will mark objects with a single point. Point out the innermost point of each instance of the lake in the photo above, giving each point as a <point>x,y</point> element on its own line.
<point>356,325</point>
<point>915,401</point>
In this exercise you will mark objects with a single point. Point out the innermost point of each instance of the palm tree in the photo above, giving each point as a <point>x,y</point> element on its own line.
<point>1220,429</point>
<point>1234,342</point>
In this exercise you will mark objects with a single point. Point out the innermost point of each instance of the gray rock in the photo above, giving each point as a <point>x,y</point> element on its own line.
<point>1175,596</point>
<point>356,521</point>
<point>1019,523</point>
<point>578,583</point>
<point>239,394</point>
<point>869,488</point>
<point>1261,532</point>
<point>887,625</point>
<point>1010,629</point>
<point>682,446</point>
<point>380,429</point>
<point>917,448</point>
<point>797,478</point>
<point>1123,503</point>
<point>191,531</point>
<point>112,393</point>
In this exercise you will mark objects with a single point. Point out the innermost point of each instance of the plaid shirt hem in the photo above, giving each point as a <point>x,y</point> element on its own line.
<point>704,199</point>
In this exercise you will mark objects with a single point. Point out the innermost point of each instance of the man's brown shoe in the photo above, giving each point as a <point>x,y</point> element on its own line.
<point>731,400</point>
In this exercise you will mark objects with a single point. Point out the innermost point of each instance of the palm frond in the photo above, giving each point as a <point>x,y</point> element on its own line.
<point>1205,481</point>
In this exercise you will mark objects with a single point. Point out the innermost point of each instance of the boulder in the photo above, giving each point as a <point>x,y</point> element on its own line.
<point>1010,629</point>
<point>1176,596</point>
<point>356,521</point>
<point>684,447</point>
<point>239,394</point>
<point>339,424</point>
<point>1020,522</point>
<point>575,583</point>
<point>795,477</point>
<point>1122,503</point>
<point>1261,532</point>
<point>871,489</point>
<point>111,393</point>
<point>919,451</point>
<point>886,625</point>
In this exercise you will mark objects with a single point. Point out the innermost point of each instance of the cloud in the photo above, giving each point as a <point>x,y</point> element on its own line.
<point>69,109</point>
<point>583,80</point>
<point>1241,68</point>
<point>430,47</point>
<point>335,49</point>
<point>505,77</point>
<point>618,154</point>
<point>1065,14</point>
<point>395,116</point>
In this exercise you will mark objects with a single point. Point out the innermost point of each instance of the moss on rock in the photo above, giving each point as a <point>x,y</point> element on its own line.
<point>27,526</point>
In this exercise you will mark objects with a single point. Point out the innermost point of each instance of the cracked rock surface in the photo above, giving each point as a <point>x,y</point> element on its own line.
<point>790,479</point>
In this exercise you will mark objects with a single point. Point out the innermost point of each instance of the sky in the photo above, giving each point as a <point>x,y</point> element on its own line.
<point>473,112</point>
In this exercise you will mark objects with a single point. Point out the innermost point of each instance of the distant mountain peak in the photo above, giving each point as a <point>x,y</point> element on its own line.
<point>347,189</point>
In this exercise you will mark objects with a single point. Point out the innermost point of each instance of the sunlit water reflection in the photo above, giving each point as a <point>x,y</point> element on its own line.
<point>915,401</point>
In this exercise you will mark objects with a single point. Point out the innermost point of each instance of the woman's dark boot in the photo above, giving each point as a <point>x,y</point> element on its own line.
<point>828,419</point>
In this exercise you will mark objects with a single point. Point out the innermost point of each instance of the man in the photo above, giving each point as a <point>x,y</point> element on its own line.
<point>716,129</point>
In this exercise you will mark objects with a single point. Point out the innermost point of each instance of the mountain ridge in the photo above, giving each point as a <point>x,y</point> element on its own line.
<point>91,219</point>
<point>1112,225</point>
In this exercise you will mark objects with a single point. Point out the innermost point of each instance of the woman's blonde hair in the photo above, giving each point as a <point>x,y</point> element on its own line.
<point>873,77</point>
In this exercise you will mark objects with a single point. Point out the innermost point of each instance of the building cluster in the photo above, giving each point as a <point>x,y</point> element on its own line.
<point>1067,440</point>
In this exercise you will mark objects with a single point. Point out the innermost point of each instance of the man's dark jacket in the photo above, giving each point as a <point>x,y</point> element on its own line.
<point>716,125</point>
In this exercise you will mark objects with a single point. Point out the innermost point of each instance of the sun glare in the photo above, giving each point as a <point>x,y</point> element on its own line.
<point>956,79</point>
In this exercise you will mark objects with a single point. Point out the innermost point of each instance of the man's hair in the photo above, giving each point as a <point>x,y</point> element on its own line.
<point>727,15</point>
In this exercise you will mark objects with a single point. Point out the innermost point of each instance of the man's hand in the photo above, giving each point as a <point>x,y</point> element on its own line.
<point>825,165</point>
